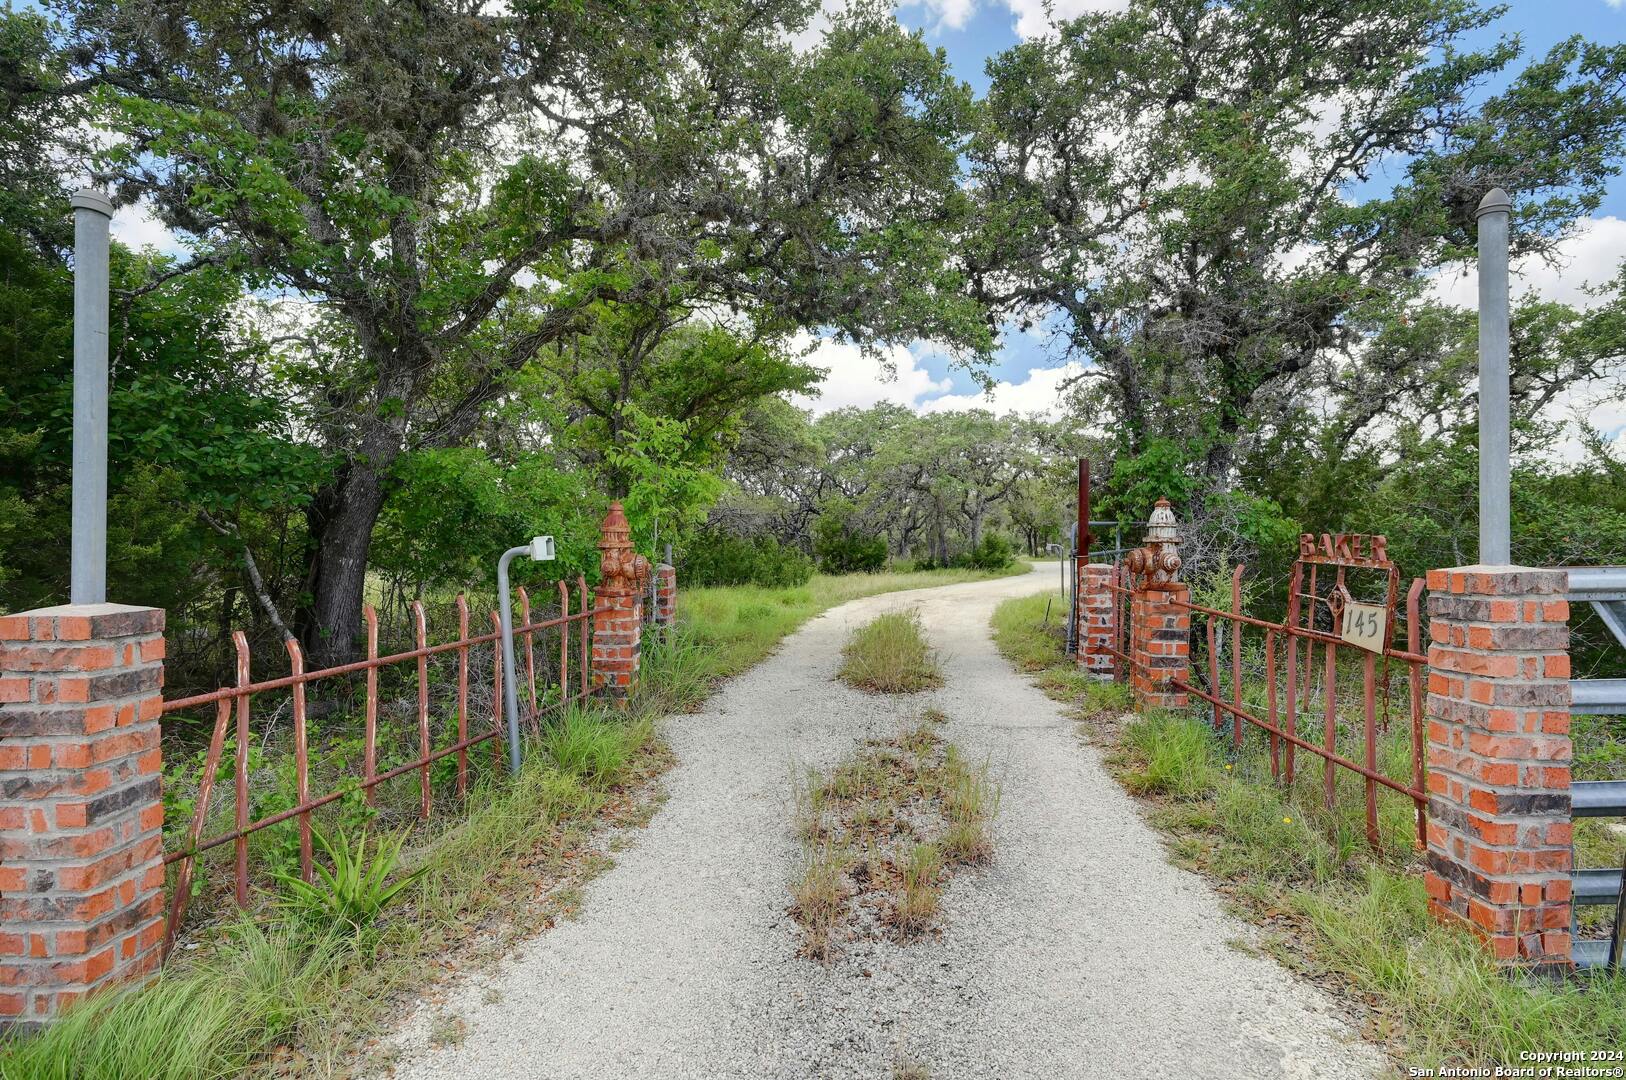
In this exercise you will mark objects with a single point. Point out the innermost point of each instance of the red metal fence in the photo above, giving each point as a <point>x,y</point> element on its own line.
<point>1293,679</point>
<point>238,700</point>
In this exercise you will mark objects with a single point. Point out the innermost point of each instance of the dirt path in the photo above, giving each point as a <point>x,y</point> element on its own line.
<point>1079,953</point>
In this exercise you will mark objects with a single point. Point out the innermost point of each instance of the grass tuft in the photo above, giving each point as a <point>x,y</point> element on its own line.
<point>882,831</point>
<point>890,655</point>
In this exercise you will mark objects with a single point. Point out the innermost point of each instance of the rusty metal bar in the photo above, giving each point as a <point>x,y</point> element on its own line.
<point>1083,516</point>
<point>530,655</point>
<point>1270,704</point>
<point>1297,631</point>
<point>302,762</point>
<point>1330,733</point>
<point>564,642</point>
<point>1335,758</point>
<point>462,696</point>
<point>240,640</point>
<point>323,800</point>
<point>1236,653</point>
<point>421,639</point>
<point>1369,672</point>
<point>182,895</point>
<point>370,739</point>
<point>585,617</point>
<point>1213,670</point>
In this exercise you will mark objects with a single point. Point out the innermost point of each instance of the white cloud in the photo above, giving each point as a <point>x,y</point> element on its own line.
<point>950,14</point>
<point>1032,20</point>
<point>857,379</point>
<point>135,227</point>
<point>1040,392</point>
<point>1592,255</point>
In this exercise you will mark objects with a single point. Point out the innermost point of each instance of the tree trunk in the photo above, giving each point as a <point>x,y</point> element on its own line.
<point>341,522</point>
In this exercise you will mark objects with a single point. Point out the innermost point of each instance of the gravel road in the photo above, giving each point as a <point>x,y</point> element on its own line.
<point>1080,952</point>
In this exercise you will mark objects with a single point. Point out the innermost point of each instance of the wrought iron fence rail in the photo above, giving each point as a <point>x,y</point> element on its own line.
<point>236,701</point>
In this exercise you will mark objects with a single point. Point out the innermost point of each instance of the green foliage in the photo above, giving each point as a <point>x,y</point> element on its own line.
<point>993,552</point>
<point>356,890</point>
<point>187,434</point>
<point>842,550</point>
<point>717,558</point>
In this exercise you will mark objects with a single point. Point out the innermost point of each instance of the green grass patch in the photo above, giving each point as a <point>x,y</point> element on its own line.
<point>1331,905</point>
<point>890,655</point>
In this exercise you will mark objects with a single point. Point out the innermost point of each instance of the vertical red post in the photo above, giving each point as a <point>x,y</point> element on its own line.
<point>302,761</point>
<point>1236,655</point>
<point>462,694</point>
<point>369,761</point>
<point>81,886</point>
<point>240,640</point>
<point>420,638</point>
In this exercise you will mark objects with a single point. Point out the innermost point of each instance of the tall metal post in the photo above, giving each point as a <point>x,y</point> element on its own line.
<point>1494,438</point>
<point>87,577</point>
<point>510,691</point>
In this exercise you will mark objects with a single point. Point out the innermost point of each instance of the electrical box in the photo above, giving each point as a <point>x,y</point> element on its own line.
<point>542,549</point>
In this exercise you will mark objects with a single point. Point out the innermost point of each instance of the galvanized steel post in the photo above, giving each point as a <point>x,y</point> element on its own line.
<point>1494,439</point>
<point>510,691</point>
<point>87,577</point>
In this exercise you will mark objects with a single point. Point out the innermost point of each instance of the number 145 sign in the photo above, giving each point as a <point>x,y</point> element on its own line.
<point>1366,626</point>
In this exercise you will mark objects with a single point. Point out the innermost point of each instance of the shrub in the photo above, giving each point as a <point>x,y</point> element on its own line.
<point>841,550</point>
<point>720,559</point>
<point>355,892</point>
<point>992,553</point>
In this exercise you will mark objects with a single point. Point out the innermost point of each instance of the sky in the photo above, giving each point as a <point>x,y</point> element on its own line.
<point>1027,369</point>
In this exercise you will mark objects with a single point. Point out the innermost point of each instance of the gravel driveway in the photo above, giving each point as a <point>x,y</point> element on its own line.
<point>1080,952</point>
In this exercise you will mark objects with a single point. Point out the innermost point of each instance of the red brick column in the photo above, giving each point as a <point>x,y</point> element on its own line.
<point>1499,758</point>
<point>665,594</point>
<point>618,620</point>
<point>1159,645</point>
<point>1094,630</point>
<point>81,818</point>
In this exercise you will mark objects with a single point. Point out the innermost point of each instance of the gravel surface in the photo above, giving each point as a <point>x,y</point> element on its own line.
<point>1080,952</point>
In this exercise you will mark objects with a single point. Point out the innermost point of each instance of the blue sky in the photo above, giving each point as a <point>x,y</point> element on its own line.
<point>970,31</point>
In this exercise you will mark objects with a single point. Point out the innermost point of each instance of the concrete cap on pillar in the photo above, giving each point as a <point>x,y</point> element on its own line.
<point>1494,202</point>
<point>91,199</point>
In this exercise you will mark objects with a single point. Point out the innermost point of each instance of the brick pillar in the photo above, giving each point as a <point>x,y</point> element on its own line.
<point>665,594</point>
<point>1159,645</point>
<point>81,818</point>
<point>1499,758</point>
<point>1094,631</point>
<point>618,608</point>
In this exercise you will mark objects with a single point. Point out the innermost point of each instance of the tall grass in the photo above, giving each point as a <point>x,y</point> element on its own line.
<point>890,655</point>
<point>210,1019</point>
<point>1356,915</point>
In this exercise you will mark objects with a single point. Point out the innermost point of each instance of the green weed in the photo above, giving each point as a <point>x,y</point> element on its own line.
<point>890,655</point>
